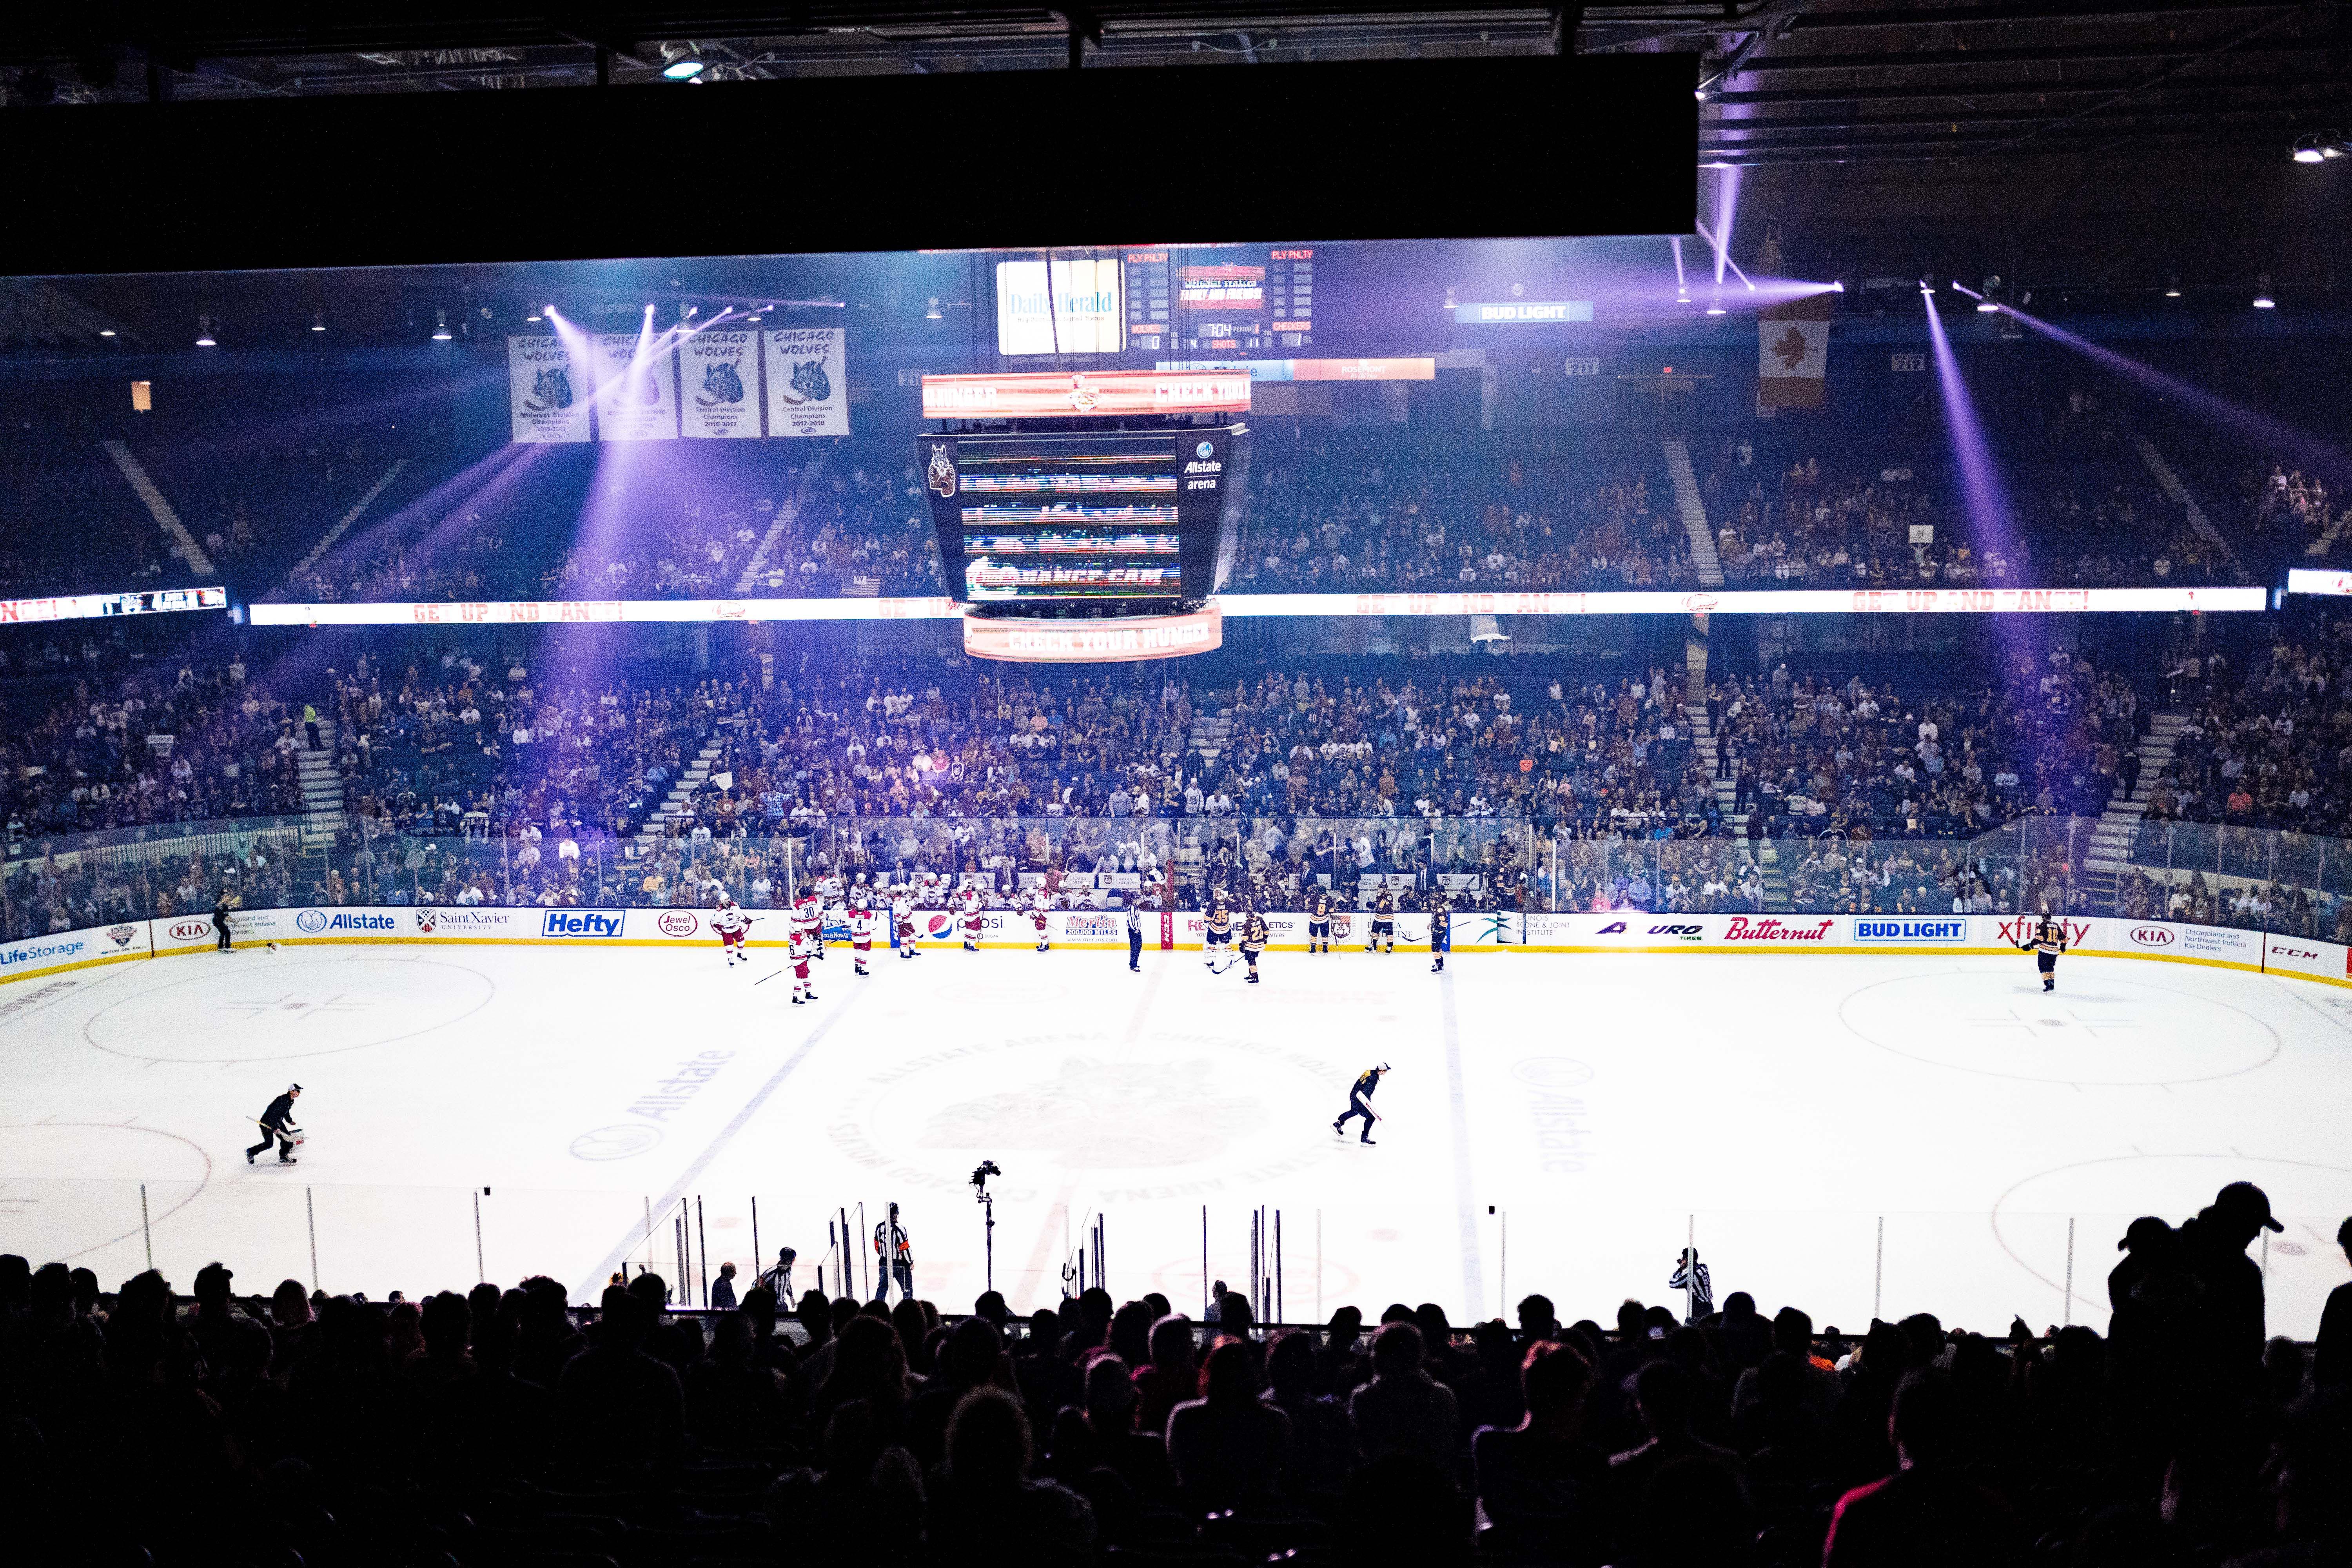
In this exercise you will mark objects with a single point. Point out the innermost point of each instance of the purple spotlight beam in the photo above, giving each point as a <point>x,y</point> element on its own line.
<point>1991,518</point>
<point>2282,441</point>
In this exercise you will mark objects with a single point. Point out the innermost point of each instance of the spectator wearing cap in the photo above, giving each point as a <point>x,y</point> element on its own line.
<point>2214,1244</point>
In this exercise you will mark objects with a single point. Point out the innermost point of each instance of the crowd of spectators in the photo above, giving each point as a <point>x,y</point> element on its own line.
<point>1388,510</point>
<point>509,1423</point>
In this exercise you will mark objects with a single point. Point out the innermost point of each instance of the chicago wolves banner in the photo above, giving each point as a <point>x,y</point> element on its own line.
<point>547,394</point>
<point>637,400</point>
<point>1793,352</point>
<point>808,381</point>
<point>718,383</point>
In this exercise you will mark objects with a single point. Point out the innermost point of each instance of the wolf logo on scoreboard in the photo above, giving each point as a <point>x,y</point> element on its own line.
<point>942,474</point>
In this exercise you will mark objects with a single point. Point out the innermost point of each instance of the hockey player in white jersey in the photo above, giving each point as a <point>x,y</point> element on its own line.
<point>805,916</point>
<point>861,927</point>
<point>803,991</point>
<point>970,905</point>
<point>733,925</point>
<point>832,906</point>
<point>1038,904</point>
<point>902,922</point>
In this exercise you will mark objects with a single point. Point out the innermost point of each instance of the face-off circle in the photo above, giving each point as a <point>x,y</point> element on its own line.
<point>242,1012</point>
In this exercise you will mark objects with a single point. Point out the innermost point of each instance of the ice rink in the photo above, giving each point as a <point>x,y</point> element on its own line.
<point>1905,1132</point>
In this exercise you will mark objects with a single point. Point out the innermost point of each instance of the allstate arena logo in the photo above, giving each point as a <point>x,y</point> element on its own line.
<point>2152,936</point>
<point>191,931</point>
<point>677,923</point>
<point>311,921</point>
<point>1944,931</point>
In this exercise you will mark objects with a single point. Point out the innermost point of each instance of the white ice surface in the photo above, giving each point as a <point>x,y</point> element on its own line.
<point>1554,1123</point>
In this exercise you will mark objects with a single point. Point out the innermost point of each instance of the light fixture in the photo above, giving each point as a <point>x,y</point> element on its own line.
<point>2263,300</point>
<point>1449,296</point>
<point>1837,286</point>
<point>1985,307</point>
<point>532,316</point>
<point>1714,306</point>
<point>934,313</point>
<point>440,326</point>
<point>1926,287</point>
<point>2172,285</point>
<point>681,62</point>
<point>2312,149</point>
<point>205,332</point>
<point>318,321</point>
<point>106,331</point>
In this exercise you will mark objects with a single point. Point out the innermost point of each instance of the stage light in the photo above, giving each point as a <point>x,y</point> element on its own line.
<point>2263,300</point>
<point>934,312</point>
<point>1838,286</point>
<point>441,327</point>
<point>532,316</point>
<point>319,321</point>
<point>1985,307</point>
<point>1714,306</point>
<point>1929,289</point>
<point>106,331</point>
<point>2172,286</point>
<point>2308,150</point>
<point>681,62</point>
<point>205,332</point>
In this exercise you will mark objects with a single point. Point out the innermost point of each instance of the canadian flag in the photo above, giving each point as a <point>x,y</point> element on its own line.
<point>1792,352</point>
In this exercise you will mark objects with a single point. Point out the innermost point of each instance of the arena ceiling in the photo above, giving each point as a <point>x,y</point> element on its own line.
<point>1787,81</point>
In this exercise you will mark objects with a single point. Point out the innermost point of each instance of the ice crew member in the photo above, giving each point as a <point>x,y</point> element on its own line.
<point>1216,931</point>
<point>1135,935</point>
<point>893,1256</point>
<point>1384,923</point>
<point>221,908</point>
<point>278,1127</point>
<point>1357,1095</point>
<point>1252,942</point>
<point>1319,922</point>
<point>2048,940</point>
<point>1441,932</point>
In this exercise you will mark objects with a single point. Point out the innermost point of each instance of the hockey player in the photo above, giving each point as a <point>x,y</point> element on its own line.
<point>1383,930</point>
<point>861,927</point>
<point>278,1127</point>
<point>2048,940</point>
<point>902,922</point>
<point>1253,941</point>
<point>1441,931</point>
<point>832,907</point>
<point>1038,905</point>
<point>1318,921</point>
<point>1358,1102</point>
<point>733,925</point>
<point>807,916</point>
<point>972,920</point>
<point>802,990</point>
<point>1216,933</point>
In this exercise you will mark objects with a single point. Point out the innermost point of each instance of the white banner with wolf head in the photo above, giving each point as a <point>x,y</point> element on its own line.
<point>718,384</point>
<point>637,400</point>
<point>547,394</point>
<point>808,381</point>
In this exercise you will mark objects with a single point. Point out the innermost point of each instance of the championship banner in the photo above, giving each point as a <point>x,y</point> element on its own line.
<point>547,394</point>
<point>1792,352</point>
<point>808,381</point>
<point>635,399</point>
<point>719,379</point>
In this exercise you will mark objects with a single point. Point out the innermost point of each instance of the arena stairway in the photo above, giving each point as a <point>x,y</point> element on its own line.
<point>2111,840</point>
<point>1704,559</point>
<point>755,571</point>
<point>2178,493</point>
<point>344,525</point>
<point>1727,792</point>
<point>678,803</point>
<point>183,543</point>
<point>323,786</point>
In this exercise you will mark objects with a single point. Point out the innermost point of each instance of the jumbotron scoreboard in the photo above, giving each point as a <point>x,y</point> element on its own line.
<point>1060,497</point>
<point>1225,299</point>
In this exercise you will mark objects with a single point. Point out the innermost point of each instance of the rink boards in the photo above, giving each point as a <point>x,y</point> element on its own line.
<point>1621,931</point>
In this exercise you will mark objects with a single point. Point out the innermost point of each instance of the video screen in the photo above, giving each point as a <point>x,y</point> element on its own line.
<point>1230,299</point>
<point>1069,520</point>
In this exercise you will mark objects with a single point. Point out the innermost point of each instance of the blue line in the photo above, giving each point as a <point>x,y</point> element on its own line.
<point>1473,1276</point>
<point>593,1287</point>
